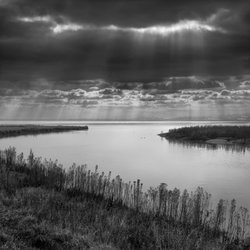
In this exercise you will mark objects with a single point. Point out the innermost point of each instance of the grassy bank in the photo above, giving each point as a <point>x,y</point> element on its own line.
<point>42,206</point>
<point>17,130</point>
<point>227,135</point>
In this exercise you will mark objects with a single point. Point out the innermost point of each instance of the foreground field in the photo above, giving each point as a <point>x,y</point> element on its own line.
<point>36,218</point>
<point>44,207</point>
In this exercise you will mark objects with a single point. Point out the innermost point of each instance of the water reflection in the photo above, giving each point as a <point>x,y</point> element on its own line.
<point>230,148</point>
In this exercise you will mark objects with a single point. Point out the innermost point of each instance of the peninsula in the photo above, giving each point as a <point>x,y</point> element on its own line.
<point>215,135</point>
<point>18,130</point>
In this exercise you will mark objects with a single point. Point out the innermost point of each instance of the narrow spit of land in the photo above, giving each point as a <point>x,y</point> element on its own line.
<point>215,135</point>
<point>18,130</point>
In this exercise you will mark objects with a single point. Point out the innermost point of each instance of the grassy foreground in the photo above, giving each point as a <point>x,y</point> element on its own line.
<point>42,206</point>
<point>17,130</point>
<point>226,135</point>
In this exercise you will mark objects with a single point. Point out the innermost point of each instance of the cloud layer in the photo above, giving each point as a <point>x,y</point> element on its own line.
<point>122,59</point>
<point>120,40</point>
<point>173,94</point>
<point>172,90</point>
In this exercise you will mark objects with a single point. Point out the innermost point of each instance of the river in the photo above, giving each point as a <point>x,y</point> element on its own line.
<point>134,151</point>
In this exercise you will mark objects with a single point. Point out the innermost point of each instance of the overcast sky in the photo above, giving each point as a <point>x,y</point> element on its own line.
<point>125,59</point>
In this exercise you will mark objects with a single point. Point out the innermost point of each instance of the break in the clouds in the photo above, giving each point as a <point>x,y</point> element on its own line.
<point>153,59</point>
<point>54,26</point>
<point>158,30</point>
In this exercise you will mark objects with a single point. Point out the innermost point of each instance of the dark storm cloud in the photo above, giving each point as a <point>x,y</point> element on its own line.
<point>125,12</point>
<point>65,40</point>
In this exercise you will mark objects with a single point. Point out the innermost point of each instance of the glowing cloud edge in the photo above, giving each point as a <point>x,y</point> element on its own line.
<point>161,30</point>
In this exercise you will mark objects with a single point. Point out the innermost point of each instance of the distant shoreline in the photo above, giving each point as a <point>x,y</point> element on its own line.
<point>211,135</point>
<point>19,130</point>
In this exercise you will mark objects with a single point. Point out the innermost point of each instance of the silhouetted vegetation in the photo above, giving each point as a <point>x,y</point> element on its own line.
<point>231,147</point>
<point>226,134</point>
<point>17,130</point>
<point>43,206</point>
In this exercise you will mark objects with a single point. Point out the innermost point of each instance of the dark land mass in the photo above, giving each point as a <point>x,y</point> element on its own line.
<point>213,135</point>
<point>43,206</point>
<point>18,130</point>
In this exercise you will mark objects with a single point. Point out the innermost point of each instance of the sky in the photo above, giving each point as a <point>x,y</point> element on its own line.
<point>124,60</point>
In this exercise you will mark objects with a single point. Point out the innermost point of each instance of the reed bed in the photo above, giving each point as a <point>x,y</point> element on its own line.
<point>186,209</point>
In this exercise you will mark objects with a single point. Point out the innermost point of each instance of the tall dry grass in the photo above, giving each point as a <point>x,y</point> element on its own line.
<point>188,209</point>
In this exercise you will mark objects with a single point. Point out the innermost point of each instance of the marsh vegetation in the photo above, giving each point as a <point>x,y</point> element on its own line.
<point>216,135</point>
<point>17,130</point>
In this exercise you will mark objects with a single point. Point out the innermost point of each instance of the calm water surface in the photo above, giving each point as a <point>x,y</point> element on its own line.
<point>134,151</point>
